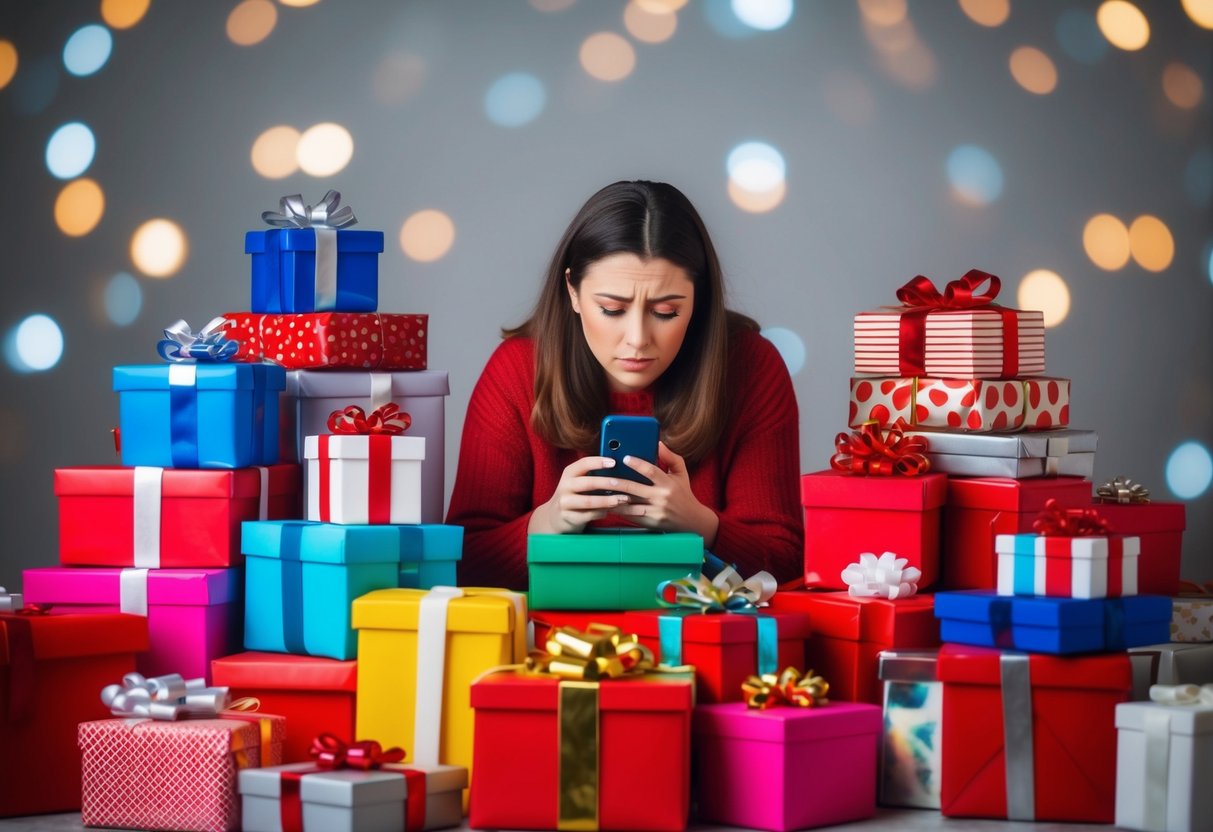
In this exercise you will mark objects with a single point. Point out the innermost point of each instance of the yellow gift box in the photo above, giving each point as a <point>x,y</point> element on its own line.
<point>418,653</point>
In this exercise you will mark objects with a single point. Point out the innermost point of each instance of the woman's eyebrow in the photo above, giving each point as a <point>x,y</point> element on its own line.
<point>622,299</point>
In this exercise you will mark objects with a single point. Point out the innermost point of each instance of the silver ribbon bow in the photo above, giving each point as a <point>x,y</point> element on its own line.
<point>886,576</point>
<point>1196,695</point>
<point>169,697</point>
<point>180,343</point>
<point>726,591</point>
<point>8,602</point>
<point>1122,490</point>
<point>293,213</point>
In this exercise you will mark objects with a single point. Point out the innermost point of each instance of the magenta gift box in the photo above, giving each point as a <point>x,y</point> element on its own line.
<point>786,768</point>
<point>192,614</point>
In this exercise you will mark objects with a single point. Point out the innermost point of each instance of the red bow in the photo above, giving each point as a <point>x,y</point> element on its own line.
<point>389,419</point>
<point>880,453</point>
<point>331,752</point>
<point>1056,521</point>
<point>959,294</point>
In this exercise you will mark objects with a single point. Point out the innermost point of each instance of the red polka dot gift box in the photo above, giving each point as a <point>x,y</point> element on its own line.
<point>969,404</point>
<point>348,340</point>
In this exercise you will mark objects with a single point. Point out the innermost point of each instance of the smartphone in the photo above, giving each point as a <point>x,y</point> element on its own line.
<point>628,436</point>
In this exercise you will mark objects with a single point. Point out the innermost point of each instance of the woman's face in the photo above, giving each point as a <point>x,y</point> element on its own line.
<point>634,314</point>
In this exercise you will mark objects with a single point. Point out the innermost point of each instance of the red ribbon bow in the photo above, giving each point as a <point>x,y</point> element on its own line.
<point>389,419</point>
<point>1056,521</point>
<point>880,453</point>
<point>959,294</point>
<point>333,753</point>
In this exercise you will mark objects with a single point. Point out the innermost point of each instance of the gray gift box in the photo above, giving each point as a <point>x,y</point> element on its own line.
<point>1173,663</point>
<point>348,800</point>
<point>1043,453</point>
<point>910,748</point>
<point>9,601</point>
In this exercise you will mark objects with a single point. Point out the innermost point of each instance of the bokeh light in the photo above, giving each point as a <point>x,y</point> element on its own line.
<point>70,150</point>
<point>551,5</point>
<point>850,98</point>
<point>123,14</point>
<point>756,166</point>
<point>515,99</point>
<point>1079,36</point>
<point>756,202</point>
<point>1047,291</point>
<point>1189,470</point>
<point>764,15</point>
<point>1207,260</point>
<point>661,6</point>
<point>87,50</point>
<point>427,235</point>
<point>790,346</point>
<point>1198,177</point>
<point>8,62</point>
<point>1182,85</point>
<point>398,77</point>
<point>974,174</point>
<point>1123,24</point>
<point>1151,243</point>
<point>1201,12</point>
<point>299,4</point>
<point>159,248</point>
<point>79,207</point>
<point>607,56</point>
<point>34,345</point>
<point>903,56</point>
<point>251,22</point>
<point>1033,70</point>
<point>648,25</point>
<point>123,299</point>
<point>724,22</point>
<point>324,149</point>
<point>35,86</point>
<point>275,153</point>
<point>987,12</point>
<point>1106,241</point>
<point>883,12</point>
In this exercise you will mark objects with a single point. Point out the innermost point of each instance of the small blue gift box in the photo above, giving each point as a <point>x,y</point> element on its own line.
<point>314,270</point>
<point>204,415</point>
<point>1059,626</point>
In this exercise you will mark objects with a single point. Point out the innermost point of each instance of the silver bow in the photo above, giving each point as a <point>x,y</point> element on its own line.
<point>726,591</point>
<point>1182,694</point>
<point>886,576</point>
<point>9,602</point>
<point>1122,490</point>
<point>293,213</point>
<point>164,697</point>
<point>208,344</point>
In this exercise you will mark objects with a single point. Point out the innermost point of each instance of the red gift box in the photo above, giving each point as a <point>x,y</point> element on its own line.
<point>722,647</point>
<point>1161,529</point>
<point>200,513</point>
<point>315,695</point>
<point>1058,760</point>
<point>846,515</point>
<point>849,633</point>
<point>642,764</point>
<point>311,341</point>
<point>980,508</point>
<point>547,620</point>
<point>52,670</point>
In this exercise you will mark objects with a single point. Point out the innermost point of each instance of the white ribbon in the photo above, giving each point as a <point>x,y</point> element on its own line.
<point>167,697</point>
<point>147,493</point>
<point>381,390</point>
<point>1195,695</point>
<point>263,505</point>
<point>132,591</point>
<point>886,576</point>
<point>431,673</point>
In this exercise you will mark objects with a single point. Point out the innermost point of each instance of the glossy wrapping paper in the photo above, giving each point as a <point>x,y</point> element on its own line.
<point>1160,526</point>
<point>284,269</point>
<point>961,404</point>
<point>329,340</point>
<point>1043,453</point>
<point>911,762</point>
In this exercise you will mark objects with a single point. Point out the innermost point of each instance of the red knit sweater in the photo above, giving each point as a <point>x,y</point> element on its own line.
<point>751,480</point>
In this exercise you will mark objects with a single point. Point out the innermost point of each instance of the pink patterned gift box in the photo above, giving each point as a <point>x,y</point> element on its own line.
<point>154,774</point>
<point>970,404</point>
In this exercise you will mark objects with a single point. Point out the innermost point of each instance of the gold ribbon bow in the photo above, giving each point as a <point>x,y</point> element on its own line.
<point>601,652</point>
<point>788,688</point>
<point>1122,490</point>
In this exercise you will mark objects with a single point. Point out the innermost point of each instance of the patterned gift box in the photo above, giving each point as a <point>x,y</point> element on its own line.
<point>910,749</point>
<point>355,480</point>
<point>1067,567</point>
<point>328,340</point>
<point>1192,618</point>
<point>156,774</point>
<point>974,404</point>
<point>1170,664</point>
<point>1046,453</point>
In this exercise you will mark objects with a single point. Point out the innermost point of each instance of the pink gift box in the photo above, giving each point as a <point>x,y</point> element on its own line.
<point>153,774</point>
<point>786,768</point>
<point>970,404</point>
<point>192,614</point>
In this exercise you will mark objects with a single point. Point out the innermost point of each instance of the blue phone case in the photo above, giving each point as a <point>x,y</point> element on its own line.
<point>628,436</point>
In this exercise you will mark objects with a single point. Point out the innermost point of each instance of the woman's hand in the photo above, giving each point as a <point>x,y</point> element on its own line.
<point>668,504</point>
<point>571,507</point>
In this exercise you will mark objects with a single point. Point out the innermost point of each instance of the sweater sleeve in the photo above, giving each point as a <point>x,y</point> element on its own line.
<point>493,481</point>
<point>762,522</point>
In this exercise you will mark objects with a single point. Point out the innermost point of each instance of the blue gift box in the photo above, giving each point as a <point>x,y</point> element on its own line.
<point>188,415</point>
<point>429,553</point>
<point>1059,626</point>
<point>285,277</point>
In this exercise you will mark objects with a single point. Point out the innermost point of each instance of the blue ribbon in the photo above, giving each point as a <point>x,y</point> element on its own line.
<point>291,556</point>
<point>1000,623</point>
<point>669,636</point>
<point>183,424</point>
<point>181,344</point>
<point>1114,625</point>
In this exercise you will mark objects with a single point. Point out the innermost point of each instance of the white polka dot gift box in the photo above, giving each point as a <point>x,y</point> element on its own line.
<point>971,404</point>
<point>350,340</point>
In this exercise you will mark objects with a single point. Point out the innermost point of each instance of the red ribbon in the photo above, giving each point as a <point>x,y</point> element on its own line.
<point>1059,567</point>
<point>389,419</point>
<point>1056,521</point>
<point>19,641</point>
<point>379,427</point>
<point>880,453</point>
<point>333,753</point>
<point>1193,588</point>
<point>922,298</point>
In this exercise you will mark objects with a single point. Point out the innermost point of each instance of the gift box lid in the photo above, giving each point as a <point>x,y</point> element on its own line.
<point>304,239</point>
<point>320,542</point>
<point>1033,444</point>
<point>477,611</point>
<point>904,622</point>
<point>1080,548</point>
<point>1020,496</point>
<point>990,607</point>
<point>518,691</point>
<point>834,489</point>
<point>430,541</point>
<point>1187,720</point>
<point>58,636</point>
<point>736,720</point>
<point>103,585</point>
<point>234,733</point>
<point>960,664</point>
<point>617,545</point>
<point>283,671</point>
<point>351,787</point>
<point>116,481</point>
<point>717,628</point>
<point>353,385</point>
<point>1143,518</point>
<point>208,376</point>
<point>908,665</point>
<point>358,447</point>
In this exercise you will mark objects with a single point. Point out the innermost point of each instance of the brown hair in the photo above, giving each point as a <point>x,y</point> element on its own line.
<point>651,220</point>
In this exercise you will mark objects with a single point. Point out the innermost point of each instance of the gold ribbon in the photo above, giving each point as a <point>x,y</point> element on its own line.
<point>790,687</point>
<point>601,652</point>
<point>1122,490</point>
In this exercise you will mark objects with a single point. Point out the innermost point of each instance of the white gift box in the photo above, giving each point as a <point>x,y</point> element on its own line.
<point>358,480</point>
<point>347,800</point>
<point>1164,767</point>
<point>1067,567</point>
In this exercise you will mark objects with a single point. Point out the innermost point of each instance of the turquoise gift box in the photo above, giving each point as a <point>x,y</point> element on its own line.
<point>301,578</point>
<point>187,415</point>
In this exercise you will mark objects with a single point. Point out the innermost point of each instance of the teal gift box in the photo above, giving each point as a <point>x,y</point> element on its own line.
<point>429,553</point>
<point>204,415</point>
<point>607,569</point>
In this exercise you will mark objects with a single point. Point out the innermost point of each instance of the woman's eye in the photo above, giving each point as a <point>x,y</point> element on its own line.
<point>665,314</point>
<point>612,313</point>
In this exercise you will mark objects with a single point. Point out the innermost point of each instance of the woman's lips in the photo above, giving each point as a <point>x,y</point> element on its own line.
<point>635,365</point>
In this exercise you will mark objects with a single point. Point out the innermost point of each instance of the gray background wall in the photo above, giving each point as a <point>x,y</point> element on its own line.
<point>868,202</point>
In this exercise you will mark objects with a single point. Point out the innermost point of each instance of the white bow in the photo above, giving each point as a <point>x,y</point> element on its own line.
<point>885,577</point>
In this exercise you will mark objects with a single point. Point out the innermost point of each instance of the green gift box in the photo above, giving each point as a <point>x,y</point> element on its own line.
<point>607,569</point>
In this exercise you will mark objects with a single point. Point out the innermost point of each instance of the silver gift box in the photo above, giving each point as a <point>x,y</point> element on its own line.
<point>1044,453</point>
<point>1170,664</point>
<point>910,750</point>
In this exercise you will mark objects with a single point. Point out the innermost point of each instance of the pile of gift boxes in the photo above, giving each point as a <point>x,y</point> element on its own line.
<point>256,621</point>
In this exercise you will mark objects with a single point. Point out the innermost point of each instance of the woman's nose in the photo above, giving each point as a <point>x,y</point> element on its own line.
<point>636,333</point>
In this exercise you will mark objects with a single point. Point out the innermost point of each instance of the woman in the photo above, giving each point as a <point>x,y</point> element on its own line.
<point>631,319</point>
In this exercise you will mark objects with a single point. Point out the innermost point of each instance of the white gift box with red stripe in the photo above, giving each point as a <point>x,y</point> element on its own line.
<point>364,479</point>
<point>966,343</point>
<point>1067,567</point>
